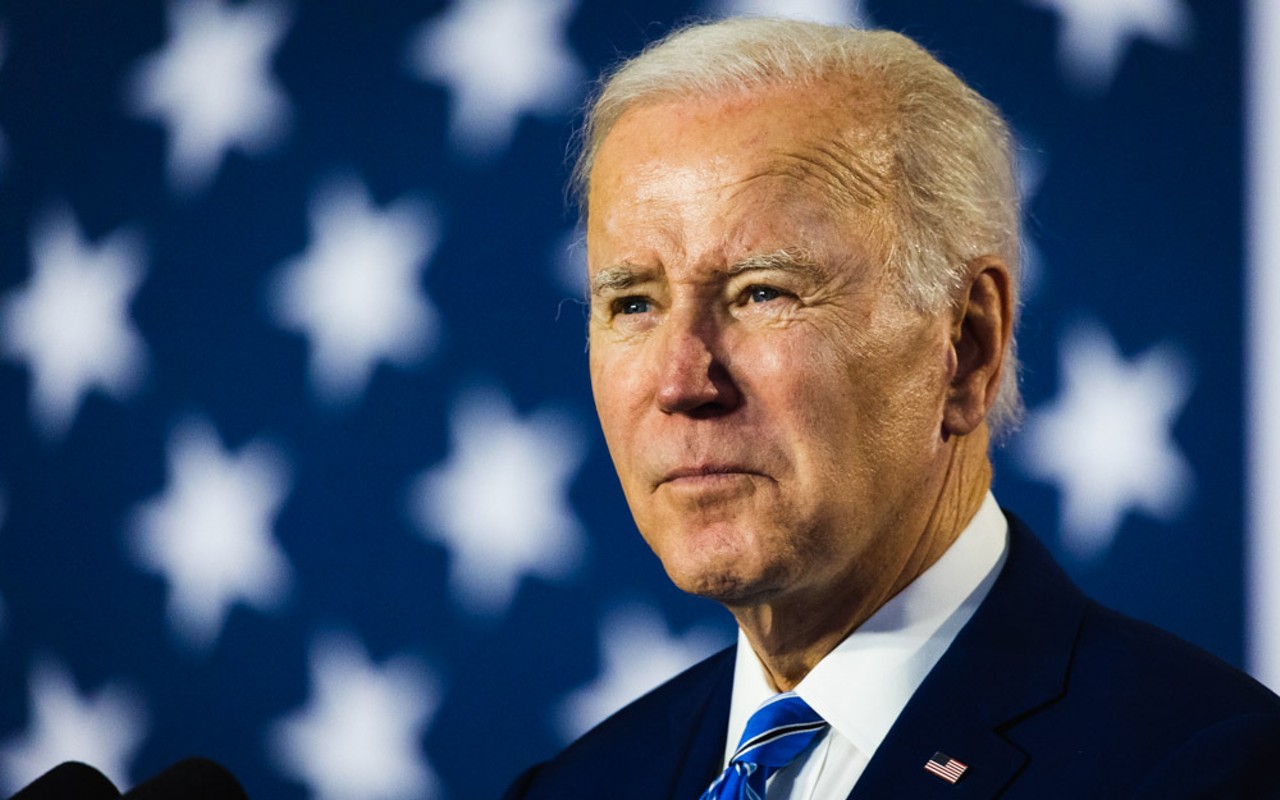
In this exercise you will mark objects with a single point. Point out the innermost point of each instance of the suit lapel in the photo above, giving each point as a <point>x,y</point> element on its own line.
<point>698,732</point>
<point>1009,660</point>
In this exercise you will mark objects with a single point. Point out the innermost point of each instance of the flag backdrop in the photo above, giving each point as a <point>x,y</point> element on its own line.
<point>298,463</point>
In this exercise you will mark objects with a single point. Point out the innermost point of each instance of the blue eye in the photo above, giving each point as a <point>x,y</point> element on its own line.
<point>763,294</point>
<point>632,305</point>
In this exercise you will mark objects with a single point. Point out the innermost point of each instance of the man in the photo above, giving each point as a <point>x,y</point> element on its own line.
<point>802,245</point>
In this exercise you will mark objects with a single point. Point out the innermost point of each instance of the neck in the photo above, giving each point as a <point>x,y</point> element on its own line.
<point>791,637</point>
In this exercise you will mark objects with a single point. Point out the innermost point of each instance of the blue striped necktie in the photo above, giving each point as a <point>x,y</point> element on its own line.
<point>777,732</point>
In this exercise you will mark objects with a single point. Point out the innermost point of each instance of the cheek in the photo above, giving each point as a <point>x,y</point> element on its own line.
<point>851,398</point>
<point>805,376</point>
<point>804,403</point>
<point>604,389</point>
<point>617,388</point>
<point>906,393</point>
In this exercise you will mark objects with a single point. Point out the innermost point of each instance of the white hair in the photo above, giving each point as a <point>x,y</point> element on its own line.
<point>952,192</point>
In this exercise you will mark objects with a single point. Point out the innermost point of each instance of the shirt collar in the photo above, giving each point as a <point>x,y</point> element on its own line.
<point>862,685</point>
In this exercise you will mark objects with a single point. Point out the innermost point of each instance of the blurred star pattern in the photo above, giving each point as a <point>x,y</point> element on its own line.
<point>299,468</point>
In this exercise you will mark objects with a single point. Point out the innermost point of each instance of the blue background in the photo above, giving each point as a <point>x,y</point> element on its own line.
<point>1137,223</point>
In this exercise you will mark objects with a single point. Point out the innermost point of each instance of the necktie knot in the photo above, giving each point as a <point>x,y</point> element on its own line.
<point>779,730</point>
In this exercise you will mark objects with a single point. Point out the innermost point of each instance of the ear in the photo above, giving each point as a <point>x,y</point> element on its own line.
<point>980,336</point>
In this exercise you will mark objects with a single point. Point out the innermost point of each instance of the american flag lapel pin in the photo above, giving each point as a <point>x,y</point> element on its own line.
<point>945,767</point>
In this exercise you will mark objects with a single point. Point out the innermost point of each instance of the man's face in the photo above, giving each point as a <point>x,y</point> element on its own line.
<point>772,405</point>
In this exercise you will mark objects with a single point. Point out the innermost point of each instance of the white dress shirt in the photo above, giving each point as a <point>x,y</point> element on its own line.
<point>862,685</point>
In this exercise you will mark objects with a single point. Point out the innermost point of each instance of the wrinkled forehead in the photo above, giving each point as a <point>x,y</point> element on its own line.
<point>785,164</point>
<point>834,140</point>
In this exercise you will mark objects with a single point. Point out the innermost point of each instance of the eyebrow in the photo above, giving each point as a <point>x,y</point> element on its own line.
<point>618,277</point>
<point>788,259</point>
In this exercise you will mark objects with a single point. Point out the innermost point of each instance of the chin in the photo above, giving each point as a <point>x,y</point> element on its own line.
<point>721,560</point>
<point>730,577</point>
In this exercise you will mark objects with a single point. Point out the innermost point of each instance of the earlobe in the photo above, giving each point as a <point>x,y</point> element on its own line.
<point>980,337</point>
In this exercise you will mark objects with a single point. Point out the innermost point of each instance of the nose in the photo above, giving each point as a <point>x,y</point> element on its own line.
<point>694,373</point>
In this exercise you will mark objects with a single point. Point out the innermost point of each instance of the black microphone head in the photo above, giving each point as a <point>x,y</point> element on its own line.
<point>190,779</point>
<point>70,780</point>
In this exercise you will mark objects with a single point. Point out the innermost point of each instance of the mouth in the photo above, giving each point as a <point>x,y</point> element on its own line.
<point>705,474</point>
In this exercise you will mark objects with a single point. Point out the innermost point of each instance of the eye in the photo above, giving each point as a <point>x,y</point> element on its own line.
<point>762,294</point>
<point>631,305</point>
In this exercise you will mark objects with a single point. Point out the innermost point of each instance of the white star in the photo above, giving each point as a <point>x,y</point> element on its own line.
<point>103,730</point>
<point>1095,34</point>
<point>638,652</point>
<point>830,12</point>
<point>212,86</point>
<point>1108,440</point>
<point>360,735</point>
<point>71,322</point>
<point>356,291</point>
<point>209,534</point>
<point>500,59</point>
<point>499,503</point>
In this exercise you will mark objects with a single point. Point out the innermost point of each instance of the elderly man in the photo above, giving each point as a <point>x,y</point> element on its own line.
<point>803,250</point>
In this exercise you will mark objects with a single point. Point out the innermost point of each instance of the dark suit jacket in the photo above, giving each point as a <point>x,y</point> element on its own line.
<point>1043,694</point>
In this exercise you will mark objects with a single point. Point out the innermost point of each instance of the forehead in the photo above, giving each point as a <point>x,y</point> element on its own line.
<point>818,151</point>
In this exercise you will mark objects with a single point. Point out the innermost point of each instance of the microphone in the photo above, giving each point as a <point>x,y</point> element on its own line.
<point>68,780</point>
<point>189,779</point>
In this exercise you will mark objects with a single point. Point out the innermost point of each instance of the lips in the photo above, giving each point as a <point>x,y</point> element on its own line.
<point>705,471</point>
